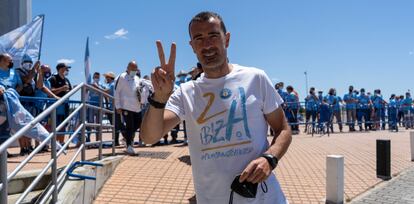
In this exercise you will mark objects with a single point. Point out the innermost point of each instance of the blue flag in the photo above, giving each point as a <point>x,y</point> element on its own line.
<point>26,39</point>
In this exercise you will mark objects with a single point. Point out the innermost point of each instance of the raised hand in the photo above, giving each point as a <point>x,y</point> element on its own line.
<point>163,77</point>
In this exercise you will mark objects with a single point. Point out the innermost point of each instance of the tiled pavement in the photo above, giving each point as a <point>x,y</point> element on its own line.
<point>399,190</point>
<point>301,172</point>
<point>141,179</point>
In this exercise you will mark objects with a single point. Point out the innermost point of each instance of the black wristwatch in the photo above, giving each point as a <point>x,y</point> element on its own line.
<point>155,104</point>
<point>271,159</point>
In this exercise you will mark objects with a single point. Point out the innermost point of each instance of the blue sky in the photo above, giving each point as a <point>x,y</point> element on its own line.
<point>369,43</point>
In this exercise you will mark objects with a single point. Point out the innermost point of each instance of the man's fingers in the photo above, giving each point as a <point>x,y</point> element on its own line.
<point>162,74</point>
<point>247,171</point>
<point>171,61</point>
<point>153,81</point>
<point>257,175</point>
<point>156,78</point>
<point>161,54</point>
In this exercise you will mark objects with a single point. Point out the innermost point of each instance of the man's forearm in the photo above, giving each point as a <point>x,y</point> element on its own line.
<point>152,128</point>
<point>281,140</point>
<point>280,143</point>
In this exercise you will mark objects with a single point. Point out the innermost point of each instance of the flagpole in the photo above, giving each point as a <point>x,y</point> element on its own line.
<point>41,36</point>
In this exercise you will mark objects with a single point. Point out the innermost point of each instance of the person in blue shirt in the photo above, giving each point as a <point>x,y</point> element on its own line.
<point>93,114</point>
<point>311,106</point>
<point>110,89</point>
<point>407,105</point>
<point>8,76</point>
<point>392,113</point>
<point>8,79</point>
<point>320,95</point>
<point>379,109</point>
<point>363,110</point>
<point>335,102</point>
<point>325,115</point>
<point>292,104</point>
<point>350,100</point>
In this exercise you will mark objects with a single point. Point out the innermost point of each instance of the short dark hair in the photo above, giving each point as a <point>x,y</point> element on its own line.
<point>96,73</point>
<point>205,16</point>
<point>3,56</point>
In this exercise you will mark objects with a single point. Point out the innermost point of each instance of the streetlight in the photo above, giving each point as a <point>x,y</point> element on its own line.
<point>306,81</point>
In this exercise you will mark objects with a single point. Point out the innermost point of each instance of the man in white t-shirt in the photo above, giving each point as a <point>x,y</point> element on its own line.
<point>227,110</point>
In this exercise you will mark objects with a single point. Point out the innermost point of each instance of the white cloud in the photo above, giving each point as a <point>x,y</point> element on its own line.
<point>97,43</point>
<point>275,80</point>
<point>411,53</point>
<point>121,33</point>
<point>67,61</point>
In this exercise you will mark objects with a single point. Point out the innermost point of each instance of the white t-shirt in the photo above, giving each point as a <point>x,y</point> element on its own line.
<point>227,130</point>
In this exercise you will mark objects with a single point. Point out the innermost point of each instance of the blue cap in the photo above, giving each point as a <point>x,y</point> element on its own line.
<point>27,58</point>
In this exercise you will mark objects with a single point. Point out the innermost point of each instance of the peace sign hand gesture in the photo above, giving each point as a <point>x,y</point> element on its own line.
<point>163,77</point>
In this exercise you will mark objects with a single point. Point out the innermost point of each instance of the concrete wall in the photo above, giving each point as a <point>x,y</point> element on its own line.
<point>85,191</point>
<point>13,14</point>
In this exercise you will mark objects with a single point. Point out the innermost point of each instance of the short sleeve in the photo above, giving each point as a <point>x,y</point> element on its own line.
<point>175,103</point>
<point>271,99</point>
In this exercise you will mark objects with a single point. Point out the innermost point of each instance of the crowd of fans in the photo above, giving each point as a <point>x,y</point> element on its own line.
<point>368,111</point>
<point>130,90</point>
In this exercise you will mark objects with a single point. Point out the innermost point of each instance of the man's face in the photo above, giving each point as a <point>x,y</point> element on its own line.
<point>108,79</point>
<point>209,43</point>
<point>46,71</point>
<point>63,70</point>
<point>132,67</point>
<point>96,77</point>
<point>6,61</point>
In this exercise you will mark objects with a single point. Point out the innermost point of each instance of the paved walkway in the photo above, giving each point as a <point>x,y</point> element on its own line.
<point>163,174</point>
<point>168,178</point>
<point>398,190</point>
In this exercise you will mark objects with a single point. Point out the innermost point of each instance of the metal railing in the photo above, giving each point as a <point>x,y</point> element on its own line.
<point>57,179</point>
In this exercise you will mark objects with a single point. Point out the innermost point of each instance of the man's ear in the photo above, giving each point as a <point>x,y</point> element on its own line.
<point>227,39</point>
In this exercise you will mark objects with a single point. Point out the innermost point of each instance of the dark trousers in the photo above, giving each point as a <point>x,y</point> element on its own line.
<point>363,113</point>
<point>293,118</point>
<point>337,115</point>
<point>174,131</point>
<point>308,115</point>
<point>132,123</point>
<point>392,118</point>
<point>119,127</point>
<point>380,117</point>
<point>400,116</point>
<point>351,118</point>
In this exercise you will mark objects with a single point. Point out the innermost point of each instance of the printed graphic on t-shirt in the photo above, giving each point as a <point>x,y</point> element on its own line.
<point>217,133</point>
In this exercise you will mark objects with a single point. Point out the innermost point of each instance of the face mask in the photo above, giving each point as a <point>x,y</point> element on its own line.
<point>27,66</point>
<point>10,65</point>
<point>96,80</point>
<point>362,93</point>
<point>46,75</point>
<point>66,73</point>
<point>132,73</point>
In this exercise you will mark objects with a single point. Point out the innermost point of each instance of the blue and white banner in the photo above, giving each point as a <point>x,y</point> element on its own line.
<point>26,39</point>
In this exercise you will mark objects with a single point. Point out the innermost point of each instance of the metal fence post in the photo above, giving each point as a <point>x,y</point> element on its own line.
<point>83,119</point>
<point>113,126</point>
<point>3,177</point>
<point>100,126</point>
<point>53,156</point>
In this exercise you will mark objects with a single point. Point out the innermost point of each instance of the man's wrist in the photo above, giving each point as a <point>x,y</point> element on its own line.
<point>156,103</point>
<point>159,97</point>
<point>272,160</point>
